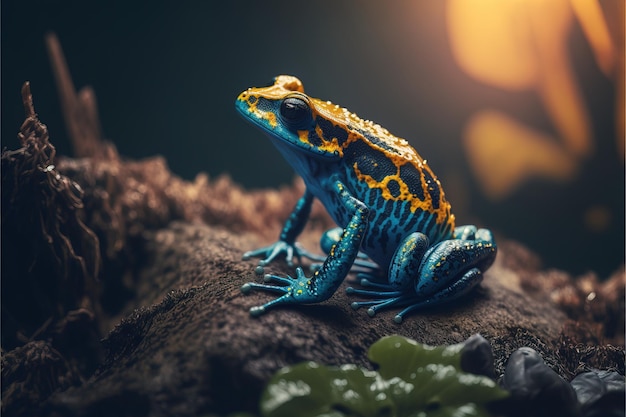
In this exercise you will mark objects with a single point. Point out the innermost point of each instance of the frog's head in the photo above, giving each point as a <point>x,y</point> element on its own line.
<point>297,123</point>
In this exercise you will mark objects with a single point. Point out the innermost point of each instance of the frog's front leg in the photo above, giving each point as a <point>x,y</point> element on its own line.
<point>324,281</point>
<point>287,241</point>
<point>362,263</point>
<point>442,273</point>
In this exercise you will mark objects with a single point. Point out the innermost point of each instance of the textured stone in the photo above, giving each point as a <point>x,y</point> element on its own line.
<point>192,347</point>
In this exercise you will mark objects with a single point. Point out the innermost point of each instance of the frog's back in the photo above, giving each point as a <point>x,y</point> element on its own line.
<point>390,177</point>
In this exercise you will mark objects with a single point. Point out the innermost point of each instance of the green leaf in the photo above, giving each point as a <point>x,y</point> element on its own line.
<point>399,356</point>
<point>413,380</point>
<point>309,389</point>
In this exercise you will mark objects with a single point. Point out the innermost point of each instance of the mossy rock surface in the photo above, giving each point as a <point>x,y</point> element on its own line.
<point>192,345</point>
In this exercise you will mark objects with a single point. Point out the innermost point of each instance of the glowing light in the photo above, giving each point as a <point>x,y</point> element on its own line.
<point>489,41</point>
<point>521,45</point>
<point>589,14</point>
<point>503,153</point>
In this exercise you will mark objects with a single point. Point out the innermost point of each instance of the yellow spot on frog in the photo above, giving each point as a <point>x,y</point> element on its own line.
<point>271,118</point>
<point>303,135</point>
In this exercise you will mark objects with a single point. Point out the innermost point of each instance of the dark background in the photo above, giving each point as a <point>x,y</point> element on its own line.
<point>166,76</point>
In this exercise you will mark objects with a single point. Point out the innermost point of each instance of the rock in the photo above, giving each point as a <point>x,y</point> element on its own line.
<point>192,347</point>
<point>30,374</point>
<point>477,357</point>
<point>536,389</point>
<point>600,393</point>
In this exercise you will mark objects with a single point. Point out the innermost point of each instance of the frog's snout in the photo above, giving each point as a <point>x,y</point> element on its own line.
<point>243,102</point>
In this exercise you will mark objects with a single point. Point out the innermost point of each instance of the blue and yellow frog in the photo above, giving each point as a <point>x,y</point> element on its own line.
<point>395,222</point>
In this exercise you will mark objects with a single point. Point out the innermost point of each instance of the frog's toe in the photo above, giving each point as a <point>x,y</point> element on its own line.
<point>290,254</point>
<point>373,303</point>
<point>389,300</point>
<point>255,253</point>
<point>246,288</point>
<point>372,293</point>
<point>245,257</point>
<point>249,286</point>
<point>278,280</point>
<point>272,252</point>
<point>371,281</point>
<point>257,311</point>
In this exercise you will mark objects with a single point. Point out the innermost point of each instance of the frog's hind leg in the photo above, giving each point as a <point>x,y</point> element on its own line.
<point>412,302</point>
<point>460,288</point>
<point>405,265</point>
<point>446,271</point>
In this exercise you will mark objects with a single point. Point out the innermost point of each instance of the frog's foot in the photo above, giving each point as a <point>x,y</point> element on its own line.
<point>412,302</point>
<point>422,276</point>
<point>286,243</point>
<point>273,251</point>
<point>292,290</point>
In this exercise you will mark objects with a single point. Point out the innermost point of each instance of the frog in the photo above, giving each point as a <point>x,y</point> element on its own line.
<point>394,228</point>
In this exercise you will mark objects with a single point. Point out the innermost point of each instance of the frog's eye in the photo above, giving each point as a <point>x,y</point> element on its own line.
<point>295,112</point>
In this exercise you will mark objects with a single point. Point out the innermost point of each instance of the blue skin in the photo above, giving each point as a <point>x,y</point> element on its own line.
<point>426,263</point>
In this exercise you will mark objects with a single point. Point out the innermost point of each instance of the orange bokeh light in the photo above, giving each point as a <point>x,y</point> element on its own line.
<point>522,45</point>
